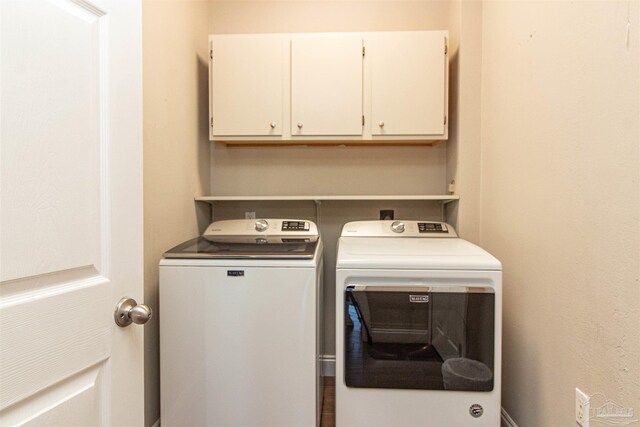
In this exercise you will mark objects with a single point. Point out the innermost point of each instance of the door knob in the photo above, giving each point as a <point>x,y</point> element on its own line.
<point>299,125</point>
<point>129,311</point>
<point>273,125</point>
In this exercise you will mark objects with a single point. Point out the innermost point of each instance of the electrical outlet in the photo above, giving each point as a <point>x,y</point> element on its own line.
<point>386,214</point>
<point>582,408</point>
<point>249,215</point>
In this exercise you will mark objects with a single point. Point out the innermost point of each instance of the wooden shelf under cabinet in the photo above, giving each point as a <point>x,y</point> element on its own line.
<point>444,199</point>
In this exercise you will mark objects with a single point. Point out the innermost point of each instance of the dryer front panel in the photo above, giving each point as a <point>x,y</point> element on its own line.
<point>427,328</point>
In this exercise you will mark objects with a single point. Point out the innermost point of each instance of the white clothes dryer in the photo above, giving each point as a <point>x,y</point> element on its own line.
<point>240,310</point>
<point>418,327</point>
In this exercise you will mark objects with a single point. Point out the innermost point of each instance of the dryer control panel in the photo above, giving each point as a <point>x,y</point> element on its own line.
<point>398,229</point>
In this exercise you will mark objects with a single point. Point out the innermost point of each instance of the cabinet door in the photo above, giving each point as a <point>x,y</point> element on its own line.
<point>326,85</point>
<point>246,85</point>
<point>408,83</point>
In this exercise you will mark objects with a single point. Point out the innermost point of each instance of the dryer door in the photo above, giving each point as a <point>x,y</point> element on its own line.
<point>434,338</point>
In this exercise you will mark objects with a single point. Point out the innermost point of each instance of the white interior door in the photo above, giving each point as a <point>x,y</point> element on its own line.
<point>70,212</point>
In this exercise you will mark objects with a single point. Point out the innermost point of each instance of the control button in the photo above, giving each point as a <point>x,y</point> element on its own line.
<point>397,227</point>
<point>261,225</point>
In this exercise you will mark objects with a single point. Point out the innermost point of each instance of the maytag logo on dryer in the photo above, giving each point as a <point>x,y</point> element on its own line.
<point>419,298</point>
<point>235,273</point>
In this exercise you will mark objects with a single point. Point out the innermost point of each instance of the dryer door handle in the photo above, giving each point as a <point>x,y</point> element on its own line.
<point>436,289</point>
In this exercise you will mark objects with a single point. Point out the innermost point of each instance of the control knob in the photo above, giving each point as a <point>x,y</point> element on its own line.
<point>397,227</point>
<point>261,225</point>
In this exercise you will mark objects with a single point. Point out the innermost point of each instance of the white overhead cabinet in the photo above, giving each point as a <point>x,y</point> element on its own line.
<point>326,85</point>
<point>340,88</point>
<point>408,83</point>
<point>247,76</point>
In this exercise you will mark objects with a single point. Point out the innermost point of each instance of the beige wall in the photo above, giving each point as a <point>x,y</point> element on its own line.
<point>560,200</point>
<point>176,147</point>
<point>329,170</point>
<point>463,146</point>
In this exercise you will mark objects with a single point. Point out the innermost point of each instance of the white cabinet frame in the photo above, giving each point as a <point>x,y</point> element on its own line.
<point>287,134</point>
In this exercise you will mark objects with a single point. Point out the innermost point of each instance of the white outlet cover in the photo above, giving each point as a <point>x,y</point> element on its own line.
<point>582,408</point>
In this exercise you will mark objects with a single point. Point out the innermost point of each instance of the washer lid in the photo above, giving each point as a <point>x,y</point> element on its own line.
<point>413,253</point>
<point>251,239</point>
<point>202,247</point>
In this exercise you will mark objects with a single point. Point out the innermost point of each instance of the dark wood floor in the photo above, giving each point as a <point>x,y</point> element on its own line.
<point>329,403</point>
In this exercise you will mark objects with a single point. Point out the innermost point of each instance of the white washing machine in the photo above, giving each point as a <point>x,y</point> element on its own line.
<point>418,327</point>
<point>240,310</point>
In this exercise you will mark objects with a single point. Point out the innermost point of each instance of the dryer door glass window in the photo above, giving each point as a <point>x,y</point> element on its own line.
<point>419,338</point>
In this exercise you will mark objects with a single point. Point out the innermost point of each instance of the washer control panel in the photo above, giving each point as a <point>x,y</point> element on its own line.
<point>250,229</point>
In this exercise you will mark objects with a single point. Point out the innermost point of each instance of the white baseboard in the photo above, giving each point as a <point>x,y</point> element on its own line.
<point>507,421</point>
<point>328,365</point>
